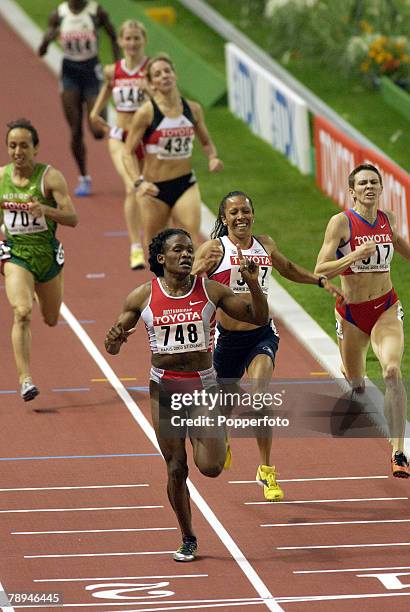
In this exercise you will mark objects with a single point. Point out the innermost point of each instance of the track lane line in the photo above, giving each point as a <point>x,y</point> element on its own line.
<point>93,531</point>
<point>343,546</point>
<point>91,509</point>
<point>312,479</point>
<point>215,524</point>
<point>117,486</point>
<point>326,501</point>
<point>120,578</point>
<point>313,524</point>
<point>351,569</point>
<point>8,608</point>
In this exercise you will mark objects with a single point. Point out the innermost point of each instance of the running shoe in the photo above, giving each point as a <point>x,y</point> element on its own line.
<point>28,390</point>
<point>399,465</point>
<point>83,188</point>
<point>266,477</point>
<point>187,551</point>
<point>137,260</point>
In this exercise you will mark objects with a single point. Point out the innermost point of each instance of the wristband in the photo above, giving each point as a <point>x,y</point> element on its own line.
<point>321,280</point>
<point>117,133</point>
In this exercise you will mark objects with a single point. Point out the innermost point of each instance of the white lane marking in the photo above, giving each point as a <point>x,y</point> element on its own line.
<point>335,523</point>
<point>310,479</point>
<point>5,608</point>
<point>225,603</point>
<point>322,501</point>
<point>79,509</point>
<point>111,554</point>
<point>199,603</point>
<point>120,578</point>
<point>147,428</point>
<point>331,597</point>
<point>93,531</point>
<point>343,546</point>
<point>351,569</point>
<point>119,486</point>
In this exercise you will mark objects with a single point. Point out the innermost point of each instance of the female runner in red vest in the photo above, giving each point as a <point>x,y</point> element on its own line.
<point>359,245</point>
<point>178,310</point>
<point>125,83</point>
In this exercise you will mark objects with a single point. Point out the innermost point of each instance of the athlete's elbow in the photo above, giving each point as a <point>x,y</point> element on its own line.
<point>72,221</point>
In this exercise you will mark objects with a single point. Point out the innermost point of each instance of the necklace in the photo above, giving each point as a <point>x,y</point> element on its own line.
<point>184,288</point>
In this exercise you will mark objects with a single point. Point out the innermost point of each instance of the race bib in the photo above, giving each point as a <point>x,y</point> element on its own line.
<point>21,221</point>
<point>238,285</point>
<point>378,262</point>
<point>180,337</point>
<point>129,98</point>
<point>80,46</point>
<point>175,147</point>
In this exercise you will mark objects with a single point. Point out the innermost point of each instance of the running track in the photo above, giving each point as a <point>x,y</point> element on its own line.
<point>83,510</point>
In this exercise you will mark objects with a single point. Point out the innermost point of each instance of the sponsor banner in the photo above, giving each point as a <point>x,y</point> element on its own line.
<point>272,110</point>
<point>396,189</point>
<point>336,156</point>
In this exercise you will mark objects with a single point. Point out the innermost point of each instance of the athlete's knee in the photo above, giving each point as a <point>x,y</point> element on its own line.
<point>76,134</point>
<point>211,470</point>
<point>22,313</point>
<point>177,471</point>
<point>50,319</point>
<point>391,374</point>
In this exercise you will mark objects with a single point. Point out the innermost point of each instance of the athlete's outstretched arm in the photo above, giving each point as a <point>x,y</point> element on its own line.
<point>337,232</point>
<point>214,163</point>
<point>109,28</point>
<point>256,311</point>
<point>50,34</point>
<point>56,186</point>
<point>141,119</point>
<point>102,99</point>
<point>207,257</point>
<point>400,245</point>
<point>128,319</point>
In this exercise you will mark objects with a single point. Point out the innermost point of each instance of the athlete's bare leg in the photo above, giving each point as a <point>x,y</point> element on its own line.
<point>260,373</point>
<point>154,215</point>
<point>174,453</point>
<point>73,110</point>
<point>187,213</point>
<point>388,343</point>
<point>19,284</point>
<point>353,346</point>
<point>209,455</point>
<point>131,205</point>
<point>96,132</point>
<point>50,296</point>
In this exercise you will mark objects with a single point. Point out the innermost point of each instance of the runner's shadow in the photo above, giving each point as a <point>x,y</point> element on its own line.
<point>349,417</point>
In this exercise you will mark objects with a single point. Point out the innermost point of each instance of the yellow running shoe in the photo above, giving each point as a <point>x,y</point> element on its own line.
<point>266,477</point>
<point>228,456</point>
<point>137,260</point>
